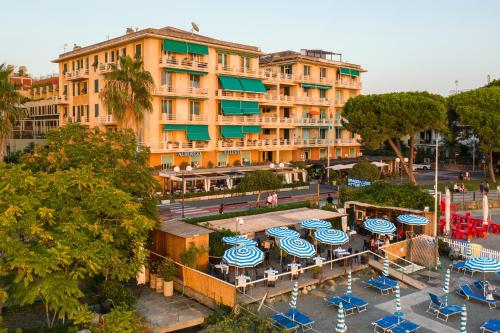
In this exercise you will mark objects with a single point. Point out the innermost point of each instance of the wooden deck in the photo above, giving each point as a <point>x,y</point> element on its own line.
<point>398,275</point>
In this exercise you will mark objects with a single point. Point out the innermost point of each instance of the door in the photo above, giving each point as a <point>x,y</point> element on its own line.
<point>286,112</point>
<point>286,134</point>
<point>305,134</point>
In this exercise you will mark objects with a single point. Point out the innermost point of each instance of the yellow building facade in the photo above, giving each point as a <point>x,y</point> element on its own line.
<point>218,103</point>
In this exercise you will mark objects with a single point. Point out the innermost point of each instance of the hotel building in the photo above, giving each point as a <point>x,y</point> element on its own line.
<point>218,103</point>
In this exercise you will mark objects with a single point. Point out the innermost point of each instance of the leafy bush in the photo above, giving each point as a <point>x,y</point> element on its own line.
<point>243,322</point>
<point>168,270</point>
<point>259,180</point>
<point>443,248</point>
<point>364,170</point>
<point>237,163</point>
<point>216,245</point>
<point>120,320</point>
<point>191,255</point>
<point>312,203</point>
<point>119,293</point>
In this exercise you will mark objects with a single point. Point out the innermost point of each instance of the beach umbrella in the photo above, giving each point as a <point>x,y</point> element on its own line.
<point>281,232</point>
<point>447,212</point>
<point>485,209</point>
<point>412,219</point>
<point>398,312</point>
<point>463,319</point>
<point>297,247</point>
<point>379,226</point>
<point>385,271</point>
<point>349,282</point>
<point>483,265</point>
<point>239,240</point>
<point>315,224</point>
<point>295,294</point>
<point>243,256</point>
<point>341,326</point>
<point>331,236</point>
<point>446,287</point>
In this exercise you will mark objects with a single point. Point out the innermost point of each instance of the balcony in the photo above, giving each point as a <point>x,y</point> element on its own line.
<point>180,91</point>
<point>313,79</point>
<point>166,118</point>
<point>166,147</point>
<point>254,120</point>
<point>312,142</point>
<point>187,64</point>
<point>255,144</point>
<point>313,101</point>
<point>266,74</point>
<point>315,121</point>
<point>107,120</point>
<point>339,103</point>
<point>348,83</point>
<point>347,142</point>
<point>60,99</point>
<point>104,68</point>
<point>261,98</point>
<point>80,74</point>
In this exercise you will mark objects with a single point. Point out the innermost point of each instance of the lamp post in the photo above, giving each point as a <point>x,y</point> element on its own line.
<point>182,172</point>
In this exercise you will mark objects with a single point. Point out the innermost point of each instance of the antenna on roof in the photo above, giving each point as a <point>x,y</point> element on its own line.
<point>65,46</point>
<point>194,27</point>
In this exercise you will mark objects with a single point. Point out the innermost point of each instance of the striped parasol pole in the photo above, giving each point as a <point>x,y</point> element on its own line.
<point>349,282</point>
<point>341,326</point>
<point>446,287</point>
<point>398,312</point>
<point>386,267</point>
<point>463,319</point>
<point>293,300</point>
<point>468,254</point>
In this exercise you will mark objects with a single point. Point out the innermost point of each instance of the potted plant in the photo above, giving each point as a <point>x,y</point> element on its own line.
<point>159,281</point>
<point>316,270</point>
<point>168,271</point>
<point>153,271</point>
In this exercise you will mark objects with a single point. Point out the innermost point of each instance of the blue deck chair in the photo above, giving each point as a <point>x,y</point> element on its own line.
<point>335,300</point>
<point>384,289</point>
<point>479,285</point>
<point>492,326</point>
<point>405,327</point>
<point>387,281</point>
<point>385,323</point>
<point>304,321</point>
<point>459,266</point>
<point>358,302</point>
<point>285,322</point>
<point>466,291</point>
<point>440,309</point>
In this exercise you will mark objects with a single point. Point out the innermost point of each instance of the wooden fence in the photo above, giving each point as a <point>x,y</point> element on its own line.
<point>477,249</point>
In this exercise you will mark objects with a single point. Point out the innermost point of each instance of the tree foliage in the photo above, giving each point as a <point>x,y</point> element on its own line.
<point>120,320</point>
<point>364,169</point>
<point>494,83</point>
<point>259,180</point>
<point>386,117</point>
<point>244,322</point>
<point>480,109</point>
<point>58,229</point>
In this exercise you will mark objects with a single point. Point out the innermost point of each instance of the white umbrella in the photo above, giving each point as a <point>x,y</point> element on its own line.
<point>485,209</point>
<point>447,211</point>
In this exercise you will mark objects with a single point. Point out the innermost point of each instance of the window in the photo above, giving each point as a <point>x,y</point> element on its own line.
<point>72,65</point>
<point>112,56</point>
<point>338,152</point>
<point>195,57</point>
<point>322,72</point>
<point>166,78</point>
<point>86,63</point>
<point>74,112</point>
<point>286,91</point>
<point>124,52</point>
<point>322,114</point>
<point>266,131</point>
<point>96,110</point>
<point>245,63</point>
<point>286,69</point>
<point>65,90</point>
<point>166,106</point>
<point>65,68</point>
<point>96,61</point>
<point>322,133</point>
<point>106,57</point>
<point>96,86</point>
<point>194,108</point>
<point>222,59</point>
<point>138,51</point>
<point>338,96</point>
<point>73,90</point>
<point>352,152</point>
<point>306,91</point>
<point>65,114</point>
<point>307,70</point>
<point>322,93</point>
<point>338,133</point>
<point>84,88</point>
<point>194,81</point>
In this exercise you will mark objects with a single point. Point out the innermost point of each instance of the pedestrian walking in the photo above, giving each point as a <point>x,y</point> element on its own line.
<point>329,199</point>
<point>486,188</point>
<point>275,199</point>
<point>481,187</point>
<point>269,200</point>
<point>221,208</point>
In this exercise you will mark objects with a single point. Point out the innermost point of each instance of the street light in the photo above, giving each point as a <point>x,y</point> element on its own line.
<point>182,172</point>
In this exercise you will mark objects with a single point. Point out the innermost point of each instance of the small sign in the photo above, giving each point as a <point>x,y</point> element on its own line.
<point>189,153</point>
<point>231,152</point>
<point>354,182</point>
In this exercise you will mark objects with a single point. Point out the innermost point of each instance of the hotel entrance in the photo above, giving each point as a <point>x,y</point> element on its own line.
<point>267,156</point>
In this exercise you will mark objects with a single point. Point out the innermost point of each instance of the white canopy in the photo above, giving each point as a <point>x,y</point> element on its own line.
<point>341,166</point>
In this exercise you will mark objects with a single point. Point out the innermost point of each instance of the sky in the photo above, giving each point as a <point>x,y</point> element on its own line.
<point>404,45</point>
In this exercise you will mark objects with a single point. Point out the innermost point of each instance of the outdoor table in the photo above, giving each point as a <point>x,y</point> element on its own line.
<point>223,268</point>
<point>270,275</point>
<point>294,268</point>
<point>241,281</point>
<point>318,261</point>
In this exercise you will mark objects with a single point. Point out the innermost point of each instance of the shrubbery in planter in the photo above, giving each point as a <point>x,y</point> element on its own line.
<point>168,271</point>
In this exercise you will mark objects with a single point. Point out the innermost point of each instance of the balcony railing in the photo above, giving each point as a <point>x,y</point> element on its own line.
<point>346,142</point>
<point>266,74</point>
<point>79,74</point>
<point>104,68</point>
<point>262,98</point>
<point>107,119</point>
<point>171,146</point>
<point>189,64</point>
<point>348,83</point>
<point>270,143</point>
<point>254,120</point>
<point>314,121</point>
<point>314,79</point>
<point>60,99</point>
<point>313,100</point>
<point>182,118</point>
<point>180,91</point>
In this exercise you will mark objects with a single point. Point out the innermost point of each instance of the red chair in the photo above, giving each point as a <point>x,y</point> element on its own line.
<point>495,228</point>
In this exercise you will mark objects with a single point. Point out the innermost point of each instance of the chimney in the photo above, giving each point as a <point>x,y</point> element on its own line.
<point>76,47</point>
<point>129,30</point>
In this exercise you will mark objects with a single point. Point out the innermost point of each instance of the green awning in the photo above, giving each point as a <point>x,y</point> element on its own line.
<point>250,129</point>
<point>354,72</point>
<point>252,85</point>
<point>232,132</point>
<point>174,127</point>
<point>198,132</point>
<point>175,70</point>
<point>230,83</point>
<point>174,46</point>
<point>315,86</point>
<point>197,48</point>
<point>250,107</point>
<point>231,108</point>
<point>348,71</point>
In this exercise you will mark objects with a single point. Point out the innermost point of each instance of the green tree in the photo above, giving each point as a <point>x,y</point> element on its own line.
<point>259,180</point>
<point>120,320</point>
<point>59,229</point>
<point>494,83</point>
<point>480,109</point>
<point>113,155</point>
<point>127,91</point>
<point>392,116</point>
<point>10,107</point>
<point>364,169</point>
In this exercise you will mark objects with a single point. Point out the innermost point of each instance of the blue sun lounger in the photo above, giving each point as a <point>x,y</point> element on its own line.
<point>283,321</point>
<point>384,289</point>
<point>405,327</point>
<point>440,309</point>
<point>479,285</point>
<point>385,323</point>
<point>459,266</point>
<point>358,302</point>
<point>335,300</point>
<point>304,321</point>
<point>466,291</point>
<point>492,326</point>
<point>387,281</point>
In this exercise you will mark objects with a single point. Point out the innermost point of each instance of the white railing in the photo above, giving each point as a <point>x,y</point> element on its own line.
<point>180,118</point>
<point>260,73</point>
<point>60,99</point>
<point>346,142</point>
<point>107,119</point>
<point>175,91</point>
<point>177,146</point>
<point>77,74</point>
<point>262,98</point>
<point>314,121</point>
<point>255,120</point>
<point>348,83</point>
<point>312,142</point>
<point>313,100</point>
<point>166,61</point>
<point>271,143</point>
<point>103,68</point>
<point>314,79</point>
<point>461,246</point>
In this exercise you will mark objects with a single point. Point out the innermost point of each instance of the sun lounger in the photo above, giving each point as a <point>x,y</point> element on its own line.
<point>304,321</point>
<point>358,302</point>
<point>383,288</point>
<point>459,265</point>
<point>285,322</point>
<point>492,326</point>
<point>479,285</point>
<point>335,300</point>
<point>387,281</point>
<point>385,323</point>
<point>466,291</point>
<point>405,327</point>
<point>442,310</point>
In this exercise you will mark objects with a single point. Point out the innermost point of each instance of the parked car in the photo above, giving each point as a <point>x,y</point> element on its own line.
<point>425,166</point>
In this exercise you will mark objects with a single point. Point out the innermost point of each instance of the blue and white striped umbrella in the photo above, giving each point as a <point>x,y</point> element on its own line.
<point>446,287</point>
<point>341,326</point>
<point>379,226</point>
<point>331,236</point>
<point>385,271</point>
<point>297,247</point>
<point>295,294</point>
<point>282,232</point>
<point>398,312</point>
<point>349,282</point>
<point>243,256</point>
<point>468,253</point>
<point>483,265</point>
<point>463,319</point>
<point>238,240</point>
<point>315,224</point>
<point>412,219</point>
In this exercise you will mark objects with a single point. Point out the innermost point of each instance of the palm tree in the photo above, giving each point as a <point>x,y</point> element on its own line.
<point>10,107</point>
<point>127,91</point>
